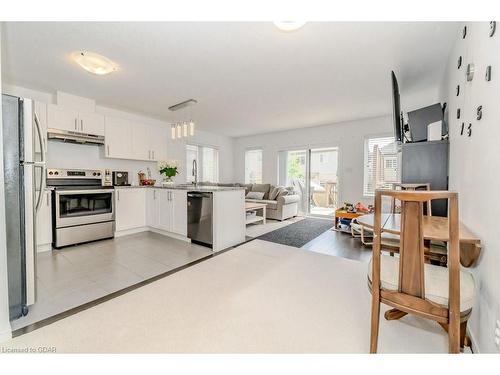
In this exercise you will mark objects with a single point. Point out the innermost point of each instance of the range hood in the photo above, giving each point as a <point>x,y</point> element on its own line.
<point>74,137</point>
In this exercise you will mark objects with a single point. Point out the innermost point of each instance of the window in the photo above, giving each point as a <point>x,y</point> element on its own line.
<point>207,160</point>
<point>381,164</point>
<point>253,167</point>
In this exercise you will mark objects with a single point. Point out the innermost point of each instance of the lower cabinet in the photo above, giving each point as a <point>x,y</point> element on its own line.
<point>44,223</point>
<point>130,212</point>
<point>167,210</point>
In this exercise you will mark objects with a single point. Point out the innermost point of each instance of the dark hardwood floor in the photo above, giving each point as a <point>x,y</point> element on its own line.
<point>339,244</point>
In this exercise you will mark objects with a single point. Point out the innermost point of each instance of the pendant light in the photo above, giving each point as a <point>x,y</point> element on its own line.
<point>182,129</point>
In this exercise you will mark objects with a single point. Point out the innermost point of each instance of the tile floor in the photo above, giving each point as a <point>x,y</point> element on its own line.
<point>75,275</point>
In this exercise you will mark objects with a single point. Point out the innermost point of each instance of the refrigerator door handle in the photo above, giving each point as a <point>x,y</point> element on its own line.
<point>40,164</point>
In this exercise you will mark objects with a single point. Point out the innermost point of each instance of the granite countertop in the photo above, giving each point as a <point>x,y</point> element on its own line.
<point>185,187</point>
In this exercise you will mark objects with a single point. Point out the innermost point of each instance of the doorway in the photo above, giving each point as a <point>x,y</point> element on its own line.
<point>314,175</point>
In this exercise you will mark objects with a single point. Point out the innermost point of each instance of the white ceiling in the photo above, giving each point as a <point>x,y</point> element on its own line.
<point>249,78</point>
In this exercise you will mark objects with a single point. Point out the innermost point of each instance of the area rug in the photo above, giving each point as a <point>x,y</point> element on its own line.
<point>298,234</point>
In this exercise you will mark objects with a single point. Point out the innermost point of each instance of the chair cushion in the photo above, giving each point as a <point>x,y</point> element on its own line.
<point>436,281</point>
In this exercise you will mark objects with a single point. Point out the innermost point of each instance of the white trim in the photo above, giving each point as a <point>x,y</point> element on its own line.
<point>169,234</point>
<point>127,232</point>
<point>44,248</point>
<point>131,231</point>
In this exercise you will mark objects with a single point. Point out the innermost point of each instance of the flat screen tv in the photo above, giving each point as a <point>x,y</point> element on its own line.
<point>396,109</point>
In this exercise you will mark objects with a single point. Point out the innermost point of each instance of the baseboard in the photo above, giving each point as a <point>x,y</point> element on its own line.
<point>44,248</point>
<point>131,231</point>
<point>169,234</point>
<point>473,342</point>
<point>150,229</point>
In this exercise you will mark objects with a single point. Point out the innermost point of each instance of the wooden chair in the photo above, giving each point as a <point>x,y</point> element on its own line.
<point>426,186</point>
<point>406,283</point>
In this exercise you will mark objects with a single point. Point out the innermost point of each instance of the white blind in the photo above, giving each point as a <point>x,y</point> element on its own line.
<point>382,164</point>
<point>253,167</point>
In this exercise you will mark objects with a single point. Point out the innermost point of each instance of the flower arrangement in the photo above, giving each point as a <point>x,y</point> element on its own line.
<point>169,168</point>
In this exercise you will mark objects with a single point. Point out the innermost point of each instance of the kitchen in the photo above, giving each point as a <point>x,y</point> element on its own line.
<point>127,234</point>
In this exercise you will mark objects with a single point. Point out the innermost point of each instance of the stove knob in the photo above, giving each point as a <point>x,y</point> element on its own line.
<point>56,173</point>
<point>94,173</point>
<point>51,173</point>
<point>98,173</point>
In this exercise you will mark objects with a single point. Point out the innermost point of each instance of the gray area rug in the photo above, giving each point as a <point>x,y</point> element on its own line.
<point>298,234</point>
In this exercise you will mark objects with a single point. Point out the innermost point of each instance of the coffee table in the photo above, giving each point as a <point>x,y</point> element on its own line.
<point>251,206</point>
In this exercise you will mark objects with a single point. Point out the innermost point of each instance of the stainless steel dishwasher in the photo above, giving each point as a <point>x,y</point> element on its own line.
<point>200,218</point>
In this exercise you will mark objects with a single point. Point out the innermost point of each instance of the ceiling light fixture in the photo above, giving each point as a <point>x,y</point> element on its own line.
<point>289,25</point>
<point>94,63</point>
<point>183,128</point>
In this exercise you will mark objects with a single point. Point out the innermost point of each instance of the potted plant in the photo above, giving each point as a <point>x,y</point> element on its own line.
<point>169,168</point>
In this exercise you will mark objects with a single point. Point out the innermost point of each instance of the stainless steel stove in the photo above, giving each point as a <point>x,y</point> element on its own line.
<point>83,208</point>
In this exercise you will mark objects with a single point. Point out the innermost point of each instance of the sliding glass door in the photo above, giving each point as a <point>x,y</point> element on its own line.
<point>313,174</point>
<point>323,181</point>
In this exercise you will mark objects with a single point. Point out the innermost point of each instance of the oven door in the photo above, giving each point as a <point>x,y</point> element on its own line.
<point>77,207</point>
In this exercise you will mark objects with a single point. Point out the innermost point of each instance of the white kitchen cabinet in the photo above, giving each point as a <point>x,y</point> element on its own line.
<point>44,223</point>
<point>179,212</point>
<point>132,140</point>
<point>152,208</point>
<point>165,214</point>
<point>91,123</point>
<point>62,118</point>
<point>117,138</point>
<point>130,208</point>
<point>141,141</point>
<point>167,210</point>
<point>158,144</point>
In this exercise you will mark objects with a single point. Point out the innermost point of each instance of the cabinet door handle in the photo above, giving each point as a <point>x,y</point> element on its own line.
<point>118,194</point>
<point>154,194</point>
<point>81,124</point>
<point>76,124</point>
<point>107,148</point>
<point>48,198</point>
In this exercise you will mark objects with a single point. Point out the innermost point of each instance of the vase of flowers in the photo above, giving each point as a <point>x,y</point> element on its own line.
<point>169,169</point>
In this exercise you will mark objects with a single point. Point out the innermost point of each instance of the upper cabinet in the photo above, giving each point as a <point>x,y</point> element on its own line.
<point>123,139</point>
<point>63,118</point>
<point>91,123</point>
<point>131,140</point>
<point>117,138</point>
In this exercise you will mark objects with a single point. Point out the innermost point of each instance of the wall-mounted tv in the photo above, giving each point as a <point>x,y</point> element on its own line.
<point>396,109</point>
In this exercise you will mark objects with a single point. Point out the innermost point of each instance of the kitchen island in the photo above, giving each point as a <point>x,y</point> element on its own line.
<point>164,210</point>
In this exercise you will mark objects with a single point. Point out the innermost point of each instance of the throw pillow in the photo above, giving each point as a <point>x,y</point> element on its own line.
<point>282,193</point>
<point>255,195</point>
<point>274,192</point>
<point>262,188</point>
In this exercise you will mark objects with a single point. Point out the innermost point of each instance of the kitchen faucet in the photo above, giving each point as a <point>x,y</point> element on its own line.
<point>195,172</point>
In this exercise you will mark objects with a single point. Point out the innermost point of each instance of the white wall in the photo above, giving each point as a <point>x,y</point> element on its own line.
<point>5,330</point>
<point>347,136</point>
<point>475,166</point>
<point>66,155</point>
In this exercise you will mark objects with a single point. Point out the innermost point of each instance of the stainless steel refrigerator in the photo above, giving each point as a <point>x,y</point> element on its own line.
<point>24,174</point>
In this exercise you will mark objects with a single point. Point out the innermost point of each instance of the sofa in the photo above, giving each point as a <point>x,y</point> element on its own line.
<point>281,202</point>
